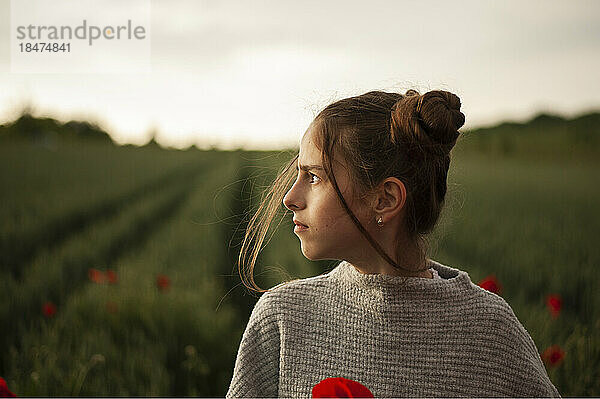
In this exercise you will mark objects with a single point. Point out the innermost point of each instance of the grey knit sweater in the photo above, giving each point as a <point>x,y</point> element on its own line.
<point>398,336</point>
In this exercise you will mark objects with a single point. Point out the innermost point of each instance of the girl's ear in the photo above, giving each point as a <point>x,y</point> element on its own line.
<point>390,198</point>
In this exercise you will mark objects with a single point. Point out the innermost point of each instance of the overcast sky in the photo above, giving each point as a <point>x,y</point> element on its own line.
<point>255,73</point>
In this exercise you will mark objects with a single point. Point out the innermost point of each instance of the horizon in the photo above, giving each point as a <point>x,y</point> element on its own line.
<point>525,121</point>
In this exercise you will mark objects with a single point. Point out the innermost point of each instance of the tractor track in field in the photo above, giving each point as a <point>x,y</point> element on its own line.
<point>17,253</point>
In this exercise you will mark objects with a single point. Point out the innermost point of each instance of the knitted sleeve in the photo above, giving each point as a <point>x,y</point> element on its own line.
<point>528,376</point>
<point>256,370</point>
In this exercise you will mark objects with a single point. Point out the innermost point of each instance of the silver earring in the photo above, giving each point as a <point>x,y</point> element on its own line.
<point>380,221</point>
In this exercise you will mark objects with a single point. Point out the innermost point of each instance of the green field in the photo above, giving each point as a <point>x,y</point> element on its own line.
<point>77,205</point>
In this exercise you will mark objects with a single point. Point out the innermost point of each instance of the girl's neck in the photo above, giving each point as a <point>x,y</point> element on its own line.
<point>411,261</point>
<point>405,252</point>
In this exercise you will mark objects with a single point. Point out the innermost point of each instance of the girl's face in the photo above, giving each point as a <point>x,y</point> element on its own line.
<point>323,226</point>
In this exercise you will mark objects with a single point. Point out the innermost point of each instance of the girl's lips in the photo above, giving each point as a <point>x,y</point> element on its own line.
<point>298,228</point>
<point>296,222</point>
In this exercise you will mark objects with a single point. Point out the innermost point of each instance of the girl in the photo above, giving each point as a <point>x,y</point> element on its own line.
<point>370,185</point>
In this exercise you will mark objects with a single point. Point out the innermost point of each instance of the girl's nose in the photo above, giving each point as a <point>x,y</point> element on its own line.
<point>292,200</point>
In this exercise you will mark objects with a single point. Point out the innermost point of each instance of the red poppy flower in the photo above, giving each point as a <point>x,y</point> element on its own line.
<point>491,284</point>
<point>111,276</point>
<point>96,276</point>
<point>111,307</point>
<point>340,387</point>
<point>4,391</point>
<point>49,309</point>
<point>553,355</point>
<point>163,282</point>
<point>554,303</point>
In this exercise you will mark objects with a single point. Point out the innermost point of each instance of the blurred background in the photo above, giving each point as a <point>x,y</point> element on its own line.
<point>125,196</point>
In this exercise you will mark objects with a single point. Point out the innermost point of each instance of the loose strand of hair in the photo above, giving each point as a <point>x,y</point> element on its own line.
<point>259,225</point>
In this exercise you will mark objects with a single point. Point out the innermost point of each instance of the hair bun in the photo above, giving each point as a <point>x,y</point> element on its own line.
<point>428,122</point>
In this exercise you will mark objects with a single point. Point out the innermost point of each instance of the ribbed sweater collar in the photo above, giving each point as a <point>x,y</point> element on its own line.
<point>385,287</point>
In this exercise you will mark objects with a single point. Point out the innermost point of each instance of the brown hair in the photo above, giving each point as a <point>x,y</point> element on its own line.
<point>384,134</point>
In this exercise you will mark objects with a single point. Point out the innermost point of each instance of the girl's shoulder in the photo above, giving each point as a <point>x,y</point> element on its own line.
<point>293,296</point>
<point>291,286</point>
<point>294,290</point>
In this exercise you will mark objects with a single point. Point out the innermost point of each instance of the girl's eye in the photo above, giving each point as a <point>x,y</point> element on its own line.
<point>313,178</point>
